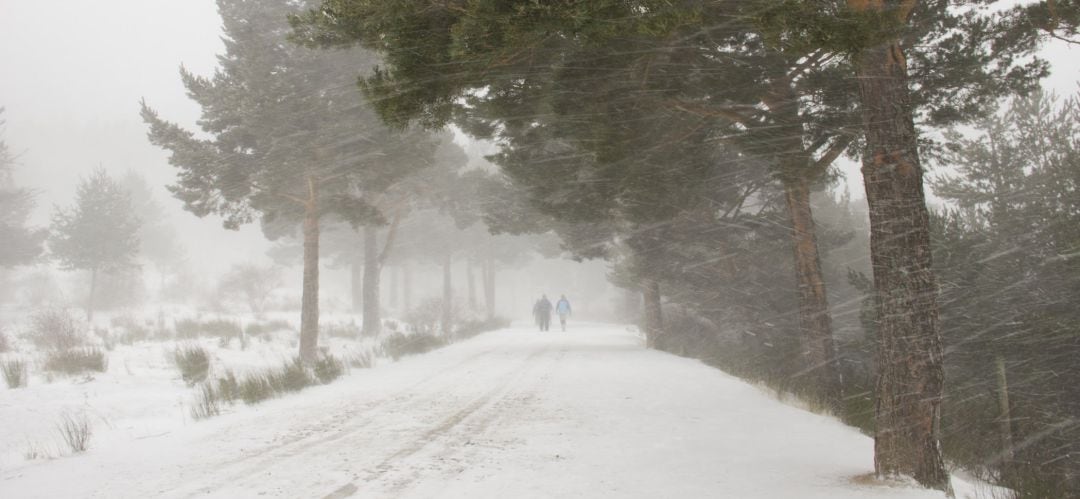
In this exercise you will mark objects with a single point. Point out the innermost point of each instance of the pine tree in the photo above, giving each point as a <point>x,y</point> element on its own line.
<point>22,244</point>
<point>98,233</point>
<point>1005,252</point>
<point>254,283</point>
<point>290,142</point>
<point>158,242</point>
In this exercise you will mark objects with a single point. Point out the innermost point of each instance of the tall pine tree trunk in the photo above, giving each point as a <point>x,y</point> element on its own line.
<point>447,296</point>
<point>910,370</point>
<point>488,274</point>
<point>631,305</point>
<point>471,282</point>
<point>90,296</point>
<point>372,269</point>
<point>815,324</point>
<point>356,282</point>
<point>1007,447</point>
<point>654,317</point>
<point>406,287</point>
<point>162,276</point>
<point>395,280</point>
<point>309,307</point>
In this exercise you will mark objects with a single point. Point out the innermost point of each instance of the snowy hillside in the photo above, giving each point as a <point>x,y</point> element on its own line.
<point>514,413</point>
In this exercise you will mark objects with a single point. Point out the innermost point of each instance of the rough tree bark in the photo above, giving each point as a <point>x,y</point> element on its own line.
<point>797,168</point>
<point>90,297</point>
<point>309,306</point>
<point>488,276</point>
<point>820,366</point>
<point>910,371</point>
<point>653,313</point>
<point>406,287</point>
<point>471,282</point>
<point>395,280</point>
<point>1007,447</point>
<point>374,261</point>
<point>447,320</point>
<point>372,322</point>
<point>356,282</point>
<point>632,305</point>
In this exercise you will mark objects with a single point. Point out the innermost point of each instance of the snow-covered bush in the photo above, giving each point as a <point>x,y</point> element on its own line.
<point>347,330</point>
<point>399,345</point>
<point>219,328</point>
<point>470,328</point>
<point>206,403</point>
<point>76,431</point>
<point>15,372</point>
<point>34,450</point>
<point>228,388</point>
<point>327,368</point>
<point>55,329</point>
<point>262,328</point>
<point>187,329</point>
<point>130,330</point>
<point>425,317</point>
<point>361,360</point>
<point>250,284</point>
<point>77,360</point>
<point>290,377</point>
<point>255,388</point>
<point>258,386</point>
<point>5,342</point>
<point>193,362</point>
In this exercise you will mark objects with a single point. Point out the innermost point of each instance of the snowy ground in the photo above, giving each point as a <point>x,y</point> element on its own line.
<point>513,413</point>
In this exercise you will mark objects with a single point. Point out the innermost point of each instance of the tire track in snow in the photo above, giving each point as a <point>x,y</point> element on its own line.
<point>318,439</point>
<point>341,421</point>
<point>480,413</point>
<point>456,446</point>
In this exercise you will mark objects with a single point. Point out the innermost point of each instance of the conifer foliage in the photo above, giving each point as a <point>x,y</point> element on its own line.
<point>22,243</point>
<point>290,142</point>
<point>98,233</point>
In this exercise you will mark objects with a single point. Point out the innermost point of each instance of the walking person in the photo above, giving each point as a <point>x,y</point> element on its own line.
<point>563,309</point>
<point>536,313</point>
<point>542,312</point>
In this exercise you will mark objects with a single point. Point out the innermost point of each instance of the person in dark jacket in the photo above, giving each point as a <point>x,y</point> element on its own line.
<point>542,312</point>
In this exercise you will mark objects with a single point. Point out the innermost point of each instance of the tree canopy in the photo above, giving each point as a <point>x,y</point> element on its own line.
<point>287,139</point>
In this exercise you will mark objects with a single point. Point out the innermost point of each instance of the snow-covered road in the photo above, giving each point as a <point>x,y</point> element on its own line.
<point>511,414</point>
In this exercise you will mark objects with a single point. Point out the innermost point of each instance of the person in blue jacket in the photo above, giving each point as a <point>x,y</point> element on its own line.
<point>563,309</point>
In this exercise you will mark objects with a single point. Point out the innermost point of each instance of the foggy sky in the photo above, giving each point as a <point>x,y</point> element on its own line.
<point>72,73</point>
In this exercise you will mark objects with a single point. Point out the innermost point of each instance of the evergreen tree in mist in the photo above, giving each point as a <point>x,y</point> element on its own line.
<point>366,249</point>
<point>290,139</point>
<point>251,284</point>
<point>158,243</point>
<point>910,379</point>
<point>587,146</point>
<point>1007,253</point>
<point>98,233</point>
<point>22,243</point>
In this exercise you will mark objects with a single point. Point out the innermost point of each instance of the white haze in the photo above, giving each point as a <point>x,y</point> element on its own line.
<point>72,76</point>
